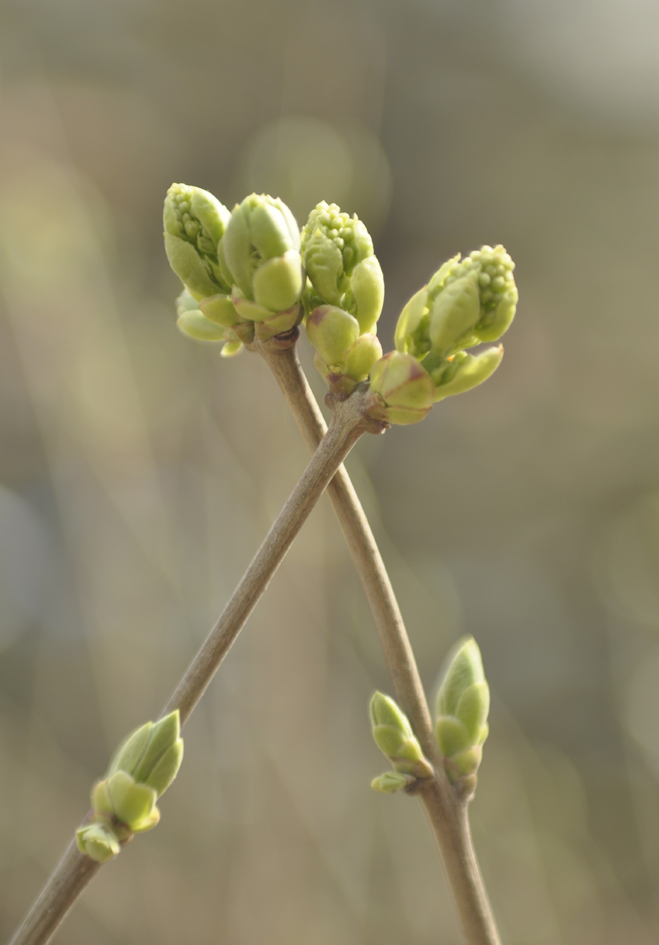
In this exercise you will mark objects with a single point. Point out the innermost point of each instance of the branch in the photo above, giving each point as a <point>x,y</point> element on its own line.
<point>75,871</point>
<point>446,811</point>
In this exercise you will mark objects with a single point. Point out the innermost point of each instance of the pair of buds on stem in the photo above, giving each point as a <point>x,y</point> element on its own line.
<point>463,703</point>
<point>251,272</point>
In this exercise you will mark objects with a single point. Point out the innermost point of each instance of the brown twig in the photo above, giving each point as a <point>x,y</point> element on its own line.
<point>446,811</point>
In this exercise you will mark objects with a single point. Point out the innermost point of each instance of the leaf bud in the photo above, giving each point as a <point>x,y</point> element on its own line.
<point>394,737</point>
<point>97,841</point>
<point>463,703</point>
<point>143,767</point>
<point>391,781</point>
<point>404,387</point>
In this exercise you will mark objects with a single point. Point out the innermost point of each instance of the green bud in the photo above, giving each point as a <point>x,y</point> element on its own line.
<point>391,781</point>
<point>393,735</point>
<point>332,331</point>
<point>361,356</point>
<point>261,250</point>
<point>406,390</point>
<point>132,803</point>
<point>195,222</point>
<point>462,371</point>
<point>164,735</point>
<point>98,842</point>
<point>465,303</point>
<point>463,703</point>
<point>143,767</point>
<point>338,256</point>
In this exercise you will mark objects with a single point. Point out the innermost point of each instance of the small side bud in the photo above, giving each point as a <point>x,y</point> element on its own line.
<point>391,781</point>
<point>463,703</point>
<point>98,842</point>
<point>394,737</point>
<point>404,387</point>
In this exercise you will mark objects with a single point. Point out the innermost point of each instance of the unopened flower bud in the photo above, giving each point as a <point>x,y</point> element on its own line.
<point>463,703</point>
<point>261,249</point>
<point>98,842</point>
<point>195,222</point>
<point>394,737</point>
<point>338,256</point>
<point>466,302</point>
<point>404,387</point>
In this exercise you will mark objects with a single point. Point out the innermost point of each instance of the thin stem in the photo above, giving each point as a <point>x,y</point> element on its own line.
<point>446,811</point>
<point>348,424</point>
<point>75,871</point>
<point>69,878</point>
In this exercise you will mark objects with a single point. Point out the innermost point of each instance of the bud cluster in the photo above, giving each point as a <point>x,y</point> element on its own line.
<point>124,802</point>
<point>344,296</point>
<point>463,703</point>
<point>242,270</point>
<point>251,272</point>
<point>394,737</point>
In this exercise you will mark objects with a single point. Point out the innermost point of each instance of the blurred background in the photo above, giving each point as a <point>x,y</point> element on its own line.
<point>139,473</point>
